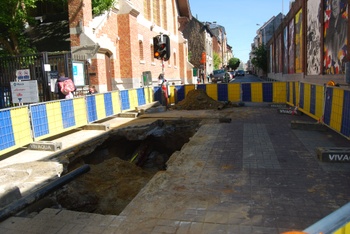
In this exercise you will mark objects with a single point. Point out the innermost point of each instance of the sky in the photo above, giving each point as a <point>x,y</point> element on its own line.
<point>239,18</point>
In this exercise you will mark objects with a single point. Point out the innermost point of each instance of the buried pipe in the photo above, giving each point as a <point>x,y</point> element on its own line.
<point>23,202</point>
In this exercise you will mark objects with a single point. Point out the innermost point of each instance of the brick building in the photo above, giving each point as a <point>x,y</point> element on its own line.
<point>118,45</point>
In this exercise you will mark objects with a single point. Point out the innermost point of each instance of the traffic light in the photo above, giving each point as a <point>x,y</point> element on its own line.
<point>161,46</point>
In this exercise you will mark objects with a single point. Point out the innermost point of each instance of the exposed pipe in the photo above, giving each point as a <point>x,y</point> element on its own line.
<point>23,202</point>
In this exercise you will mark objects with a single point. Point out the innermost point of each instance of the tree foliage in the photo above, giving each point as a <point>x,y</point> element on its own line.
<point>13,20</point>
<point>217,60</point>
<point>233,63</point>
<point>15,17</point>
<point>260,59</point>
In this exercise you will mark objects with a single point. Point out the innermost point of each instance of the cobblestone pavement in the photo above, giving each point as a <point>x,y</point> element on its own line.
<point>254,174</point>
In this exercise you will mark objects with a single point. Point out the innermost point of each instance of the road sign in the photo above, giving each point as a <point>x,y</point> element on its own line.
<point>24,91</point>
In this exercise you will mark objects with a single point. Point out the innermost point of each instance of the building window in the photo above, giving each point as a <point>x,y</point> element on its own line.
<point>165,18</point>
<point>174,58</point>
<point>141,50</point>
<point>147,9</point>
<point>156,12</point>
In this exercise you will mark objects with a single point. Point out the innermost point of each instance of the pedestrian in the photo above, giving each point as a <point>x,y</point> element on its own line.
<point>92,89</point>
<point>64,87</point>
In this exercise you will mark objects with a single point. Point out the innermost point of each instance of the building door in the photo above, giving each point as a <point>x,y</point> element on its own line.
<point>108,72</point>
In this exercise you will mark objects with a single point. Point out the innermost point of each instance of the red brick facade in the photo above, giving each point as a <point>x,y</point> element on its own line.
<point>125,40</point>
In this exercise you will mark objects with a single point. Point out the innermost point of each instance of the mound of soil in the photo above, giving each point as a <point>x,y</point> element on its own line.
<point>198,99</point>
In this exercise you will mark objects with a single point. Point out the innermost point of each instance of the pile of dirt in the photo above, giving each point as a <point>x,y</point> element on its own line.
<point>198,99</point>
<point>106,189</point>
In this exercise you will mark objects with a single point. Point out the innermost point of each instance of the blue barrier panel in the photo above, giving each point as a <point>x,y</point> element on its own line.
<point>141,96</point>
<point>313,100</point>
<point>39,120</point>
<point>158,94</point>
<point>345,127</point>
<point>328,106</point>
<point>68,119</point>
<point>267,92</point>
<point>301,98</point>
<point>247,93</point>
<point>180,93</point>
<point>7,138</point>
<point>202,87</point>
<point>222,92</point>
<point>91,108</point>
<point>108,104</point>
<point>124,95</point>
<point>295,85</point>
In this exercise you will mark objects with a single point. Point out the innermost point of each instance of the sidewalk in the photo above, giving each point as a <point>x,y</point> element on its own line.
<point>253,175</point>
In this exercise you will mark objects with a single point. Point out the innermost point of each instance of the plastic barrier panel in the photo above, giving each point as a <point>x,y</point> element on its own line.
<point>337,109</point>
<point>212,91</point>
<point>279,92</point>
<point>124,96</point>
<point>80,111</point>
<point>133,99</point>
<point>302,96</point>
<point>67,111</point>
<point>180,93</point>
<point>267,92</point>
<point>100,106</point>
<point>39,120</point>
<point>141,100</point>
<point>116,102</point>
<point>222,92</point>
<point>108,104</point>
<point>234,92</point>
<point>91,108</point>
<point>256,92</point>
<point>246,92</point>
<point>345,127</point>
<point>15,130</point>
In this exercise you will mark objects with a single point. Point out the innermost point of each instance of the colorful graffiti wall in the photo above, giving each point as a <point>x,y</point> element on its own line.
<point>313,37</point>
<point>335,36</point>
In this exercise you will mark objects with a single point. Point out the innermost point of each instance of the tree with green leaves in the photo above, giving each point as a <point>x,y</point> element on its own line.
<point>15,17</point>
<point>233,63</point>
<point>13,21</point>
<point>260,59</point>
<point>217,60</point>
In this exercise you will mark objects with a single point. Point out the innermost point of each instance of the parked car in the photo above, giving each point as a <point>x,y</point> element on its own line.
<point>240,73</point>
<point>218,75</point>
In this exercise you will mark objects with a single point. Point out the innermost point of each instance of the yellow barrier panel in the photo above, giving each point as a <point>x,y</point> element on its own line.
<point>343,230</point>
<point>234,92</point>
<point>337,109</point>
<point>307,97</point>
<point>149,94</point>
<point>188,88</point>
<point>212,91</point>
<point>319,101</point>
<point>54,117</point>
<point>21,126</point>
<point>80,112</point>
<point>256,92</point>
<point>172,93</point>
<point>116,102</point>
<point>279,92</point>
<point>100,106</point>
<point>133,99</point>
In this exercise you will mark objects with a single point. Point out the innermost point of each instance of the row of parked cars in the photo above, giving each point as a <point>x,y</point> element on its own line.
<point>224,76</point>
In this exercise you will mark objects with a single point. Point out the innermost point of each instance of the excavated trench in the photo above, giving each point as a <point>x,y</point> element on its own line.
<point>122,165</point>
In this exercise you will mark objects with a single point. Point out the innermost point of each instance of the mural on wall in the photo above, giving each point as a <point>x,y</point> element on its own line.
<point>298,42</point>
<point>335,36</point>
<point>291,46</point>
<point>285,50</point>
<point>313,42</point>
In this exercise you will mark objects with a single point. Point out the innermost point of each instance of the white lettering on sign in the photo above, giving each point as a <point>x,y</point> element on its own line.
<point>339,157</point>
<point>41,147</point>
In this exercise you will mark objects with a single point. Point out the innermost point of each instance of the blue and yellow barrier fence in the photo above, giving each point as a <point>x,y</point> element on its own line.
<point>19,126</point>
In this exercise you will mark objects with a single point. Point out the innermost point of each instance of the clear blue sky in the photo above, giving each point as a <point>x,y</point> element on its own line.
<point>239,17</point>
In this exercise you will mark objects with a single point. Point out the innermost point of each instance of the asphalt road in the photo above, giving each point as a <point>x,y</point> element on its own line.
<point>246,78</point>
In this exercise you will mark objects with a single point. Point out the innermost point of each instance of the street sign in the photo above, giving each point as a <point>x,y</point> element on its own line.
<point>23,74</point>
<point>24,91</point>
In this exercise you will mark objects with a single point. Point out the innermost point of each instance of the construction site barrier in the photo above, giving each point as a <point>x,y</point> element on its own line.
<point>15,129</point>
<point>20,126</point>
